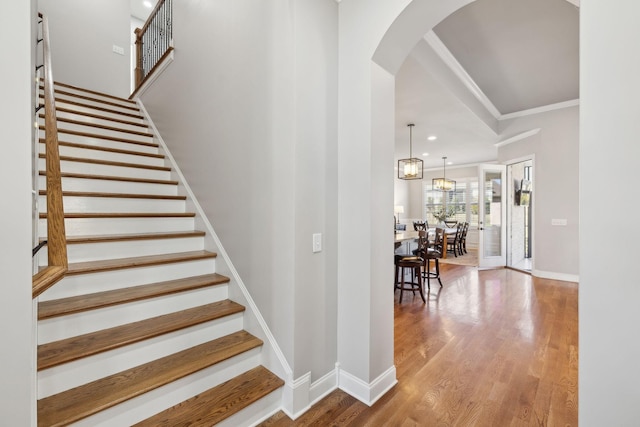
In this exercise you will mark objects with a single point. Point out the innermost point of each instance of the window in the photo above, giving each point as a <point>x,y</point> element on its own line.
<point>461,205</point>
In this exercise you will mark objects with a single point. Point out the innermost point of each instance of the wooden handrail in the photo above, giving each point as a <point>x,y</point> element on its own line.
<point>57,241</point>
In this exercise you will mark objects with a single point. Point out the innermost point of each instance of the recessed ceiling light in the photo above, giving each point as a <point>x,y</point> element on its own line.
<point>449,163</point>
<point>432,138</point>
<point>147,4</point>
<point>425,154</point>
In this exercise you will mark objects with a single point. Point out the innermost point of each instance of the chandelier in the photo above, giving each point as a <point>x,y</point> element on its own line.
<point>443,183</point>
<point>410,168</point>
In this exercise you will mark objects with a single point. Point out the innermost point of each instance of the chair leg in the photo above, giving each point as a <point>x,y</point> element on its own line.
<point>420,285</point>
<point>438,272</point>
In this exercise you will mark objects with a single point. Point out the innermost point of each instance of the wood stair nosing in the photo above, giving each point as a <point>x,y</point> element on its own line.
<point>80,402</point>
<point>99,126</point>
<point>96,215</point>
<point>94,92</point>
<point>109,163</point>
<point>128,106</point>
<point>106,137</point>
<point>103,109</point>
<point>67,350</point>
<point>100,238</point>
<point>89,267</point>
<point>116,195</point>
<point>218,403</point>
<point>107,149</point>
<point>80,303</point>
<point>113,178</point>
<point>101,117</point>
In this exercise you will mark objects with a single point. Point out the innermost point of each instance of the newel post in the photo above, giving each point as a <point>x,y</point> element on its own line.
<point>139,72</point>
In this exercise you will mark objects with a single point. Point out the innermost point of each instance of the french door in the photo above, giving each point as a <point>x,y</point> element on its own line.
<point>492,209</point>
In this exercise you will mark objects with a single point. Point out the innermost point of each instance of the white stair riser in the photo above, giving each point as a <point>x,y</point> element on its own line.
<point>142,407</point>
<point>106,143</point>
<point>112,186</point>
<point>103,122</point>
<point>91,103</point>
<point>102,111</point>
<point>63,327</point>
<point>96,96</point>
<point>73,374</point>
<point>66,126</point>
<point>81,284</point>
<point>90,226</point>
<point>116,204</point>
<point>110,170</point>
<point>110,250</point>
<point>88,153</point>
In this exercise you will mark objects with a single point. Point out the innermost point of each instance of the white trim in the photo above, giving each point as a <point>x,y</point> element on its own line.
<point>576,3</point>
<point>543,109</point>
<point>284,369</point>
<point>313,393</point>
<point>447,57</point>
<point>323,386</point>
<point>161,66</point>
<point>517,137</point>
<point>366,393</point>
<point>555,276</point>
<point>295,396</point>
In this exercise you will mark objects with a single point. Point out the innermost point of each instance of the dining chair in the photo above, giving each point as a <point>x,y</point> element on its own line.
<point>418,226</point>
<point>431,251</point>
<point>453,245</point>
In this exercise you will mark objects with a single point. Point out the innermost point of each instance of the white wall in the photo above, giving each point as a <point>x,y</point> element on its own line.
<point>248,109</point>
<point>609,372</point>
<point>17,363</point>
<point>556,248</point>
<point>82,37</point>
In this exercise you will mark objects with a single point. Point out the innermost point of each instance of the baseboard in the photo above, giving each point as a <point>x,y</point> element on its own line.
<point>555,276</point>
<point>300,395</point>
<point>367,393</point>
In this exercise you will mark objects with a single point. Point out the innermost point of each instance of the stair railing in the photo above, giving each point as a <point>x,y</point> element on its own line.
<point>56,238</point>
<point>154,41</point>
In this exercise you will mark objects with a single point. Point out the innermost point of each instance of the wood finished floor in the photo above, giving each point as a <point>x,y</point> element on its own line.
<point>491,348</point>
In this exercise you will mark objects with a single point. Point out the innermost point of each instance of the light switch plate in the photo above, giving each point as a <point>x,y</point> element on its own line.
<point>317,242</point>
<point>559,221</point>
<point>118,49</point>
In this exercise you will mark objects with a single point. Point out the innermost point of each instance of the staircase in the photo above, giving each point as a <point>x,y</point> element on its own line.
<point>141,331</point>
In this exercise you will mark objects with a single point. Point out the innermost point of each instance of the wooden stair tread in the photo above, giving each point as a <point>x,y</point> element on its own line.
<point>132,106</point>
<point>80,303</point>
<point>134,262</point>
<point>74,348</point>
<point>109,163</point>
<point>116,195</point>
<point>80,402</point>
<point>218,403</point>
<point>107,149</point>
<point>103,127</point>
<point>94,107</point>
<point>113,178</point>
<point>107,137</point>
<point>101,117</point>
<point>94,92</point>
<point>99,238</point>
<point>78,215</point>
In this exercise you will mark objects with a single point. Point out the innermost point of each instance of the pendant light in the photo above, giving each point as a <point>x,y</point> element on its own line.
<point>410,168</point>
<point>443,183</point>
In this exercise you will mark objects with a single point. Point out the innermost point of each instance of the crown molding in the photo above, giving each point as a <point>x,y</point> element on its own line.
<point>517,137</point>
<point>447,57</point>
<point>576,3</point>
<point>543,109</point>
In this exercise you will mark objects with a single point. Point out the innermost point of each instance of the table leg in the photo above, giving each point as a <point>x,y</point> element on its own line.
<point>444,246</point>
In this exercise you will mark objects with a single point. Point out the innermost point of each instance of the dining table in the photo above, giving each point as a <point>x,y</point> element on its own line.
<point>410,235</point>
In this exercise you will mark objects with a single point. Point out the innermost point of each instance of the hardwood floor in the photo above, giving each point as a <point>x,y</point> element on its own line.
<point>491,348</point>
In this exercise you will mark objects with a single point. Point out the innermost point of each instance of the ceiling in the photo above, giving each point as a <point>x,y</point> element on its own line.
<point>514,55</point>
<point>140,10</point>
